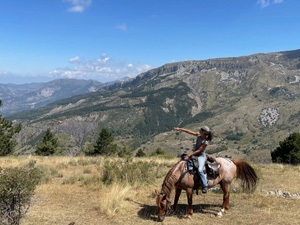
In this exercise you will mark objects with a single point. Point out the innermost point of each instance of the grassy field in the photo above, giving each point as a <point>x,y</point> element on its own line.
<point>87,191</point>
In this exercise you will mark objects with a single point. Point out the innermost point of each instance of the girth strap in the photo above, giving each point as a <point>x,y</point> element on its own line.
<point>182,176</point>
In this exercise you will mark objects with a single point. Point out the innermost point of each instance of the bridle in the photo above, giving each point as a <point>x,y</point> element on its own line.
<point>164,205</point>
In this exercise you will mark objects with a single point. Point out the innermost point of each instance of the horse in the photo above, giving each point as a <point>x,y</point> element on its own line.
<point>179,178</point>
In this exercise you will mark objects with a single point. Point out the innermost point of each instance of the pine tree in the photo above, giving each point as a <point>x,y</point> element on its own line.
<point>288,151</point>
<point>104,144</point>
<point>48,145</point>
<point>7,131</point>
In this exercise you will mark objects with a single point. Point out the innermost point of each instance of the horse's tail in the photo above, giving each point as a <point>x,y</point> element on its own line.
<point>247,174</point>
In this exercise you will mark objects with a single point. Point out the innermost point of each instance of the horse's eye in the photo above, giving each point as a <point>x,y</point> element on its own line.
<point>163,204</point>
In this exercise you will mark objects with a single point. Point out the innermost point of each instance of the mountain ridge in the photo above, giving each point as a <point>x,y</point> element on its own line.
<point>248,101</point>
<point>21,97</point>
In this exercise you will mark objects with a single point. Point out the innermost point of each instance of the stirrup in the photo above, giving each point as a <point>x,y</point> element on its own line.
<point>204,190</point>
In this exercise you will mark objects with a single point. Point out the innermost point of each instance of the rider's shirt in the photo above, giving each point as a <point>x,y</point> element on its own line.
<point>200,142</point>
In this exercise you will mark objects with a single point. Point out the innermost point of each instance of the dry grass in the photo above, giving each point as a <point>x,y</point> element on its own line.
<point>73,192</point>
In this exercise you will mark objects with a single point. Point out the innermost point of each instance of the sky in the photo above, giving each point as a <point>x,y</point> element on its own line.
<point>106,40</point>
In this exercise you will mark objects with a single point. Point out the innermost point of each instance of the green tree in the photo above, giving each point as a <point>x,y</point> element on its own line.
<point>288,150</point>
<point>140,153</point>
<point>7,131</point>
<point>48,145</point>
<point>104,144</point>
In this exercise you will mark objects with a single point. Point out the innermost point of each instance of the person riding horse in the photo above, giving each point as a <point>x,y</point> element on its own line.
<point>178,177</point>
<point>203,136</point>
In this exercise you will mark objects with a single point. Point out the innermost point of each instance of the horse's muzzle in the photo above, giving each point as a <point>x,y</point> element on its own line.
<point>161,217</point>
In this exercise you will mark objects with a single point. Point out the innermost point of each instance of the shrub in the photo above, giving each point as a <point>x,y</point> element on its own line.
<point>160,153</point>
<point>125,152</point>
<point>140,153</point>
<point>17,186</point>
<point>234,137</point>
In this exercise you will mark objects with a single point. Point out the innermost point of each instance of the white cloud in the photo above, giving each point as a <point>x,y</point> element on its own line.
<point>103,69</point>
<point>122,27</point>
<point>78,5</point>
<point>76,59</point>
<point>4,73</point>
<point>55,72</point>
<point>103,60</point>
<point>266,3</point>
<point>263,3</point>
<point>73,74</point>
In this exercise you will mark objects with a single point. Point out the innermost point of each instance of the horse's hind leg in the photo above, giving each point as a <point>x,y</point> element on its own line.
<point>226,193</point>
<point>177,195</point>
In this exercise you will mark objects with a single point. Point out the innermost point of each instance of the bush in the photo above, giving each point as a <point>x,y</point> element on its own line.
<point>234,137</point>
<point>140,153</point>
<point>17,186</point>
<point>125,152</point>
<point>288,151</point>
<point>158,151</point>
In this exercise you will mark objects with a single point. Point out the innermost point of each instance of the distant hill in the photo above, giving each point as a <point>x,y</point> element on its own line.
<point>251,102</point>
<point>17,98</point>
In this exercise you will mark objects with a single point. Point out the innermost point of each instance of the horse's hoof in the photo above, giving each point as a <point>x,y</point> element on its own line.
<point>172,212</point>
<point>189,217</point>
<point>219,214</point>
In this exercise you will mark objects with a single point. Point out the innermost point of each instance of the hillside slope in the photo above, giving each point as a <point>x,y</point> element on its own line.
<point>251,103</point>
<point>17,98</point>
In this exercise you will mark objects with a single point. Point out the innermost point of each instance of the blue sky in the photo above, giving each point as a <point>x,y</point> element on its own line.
<point>105,40</point>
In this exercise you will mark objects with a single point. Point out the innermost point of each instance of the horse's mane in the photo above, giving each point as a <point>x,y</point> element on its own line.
<point>170,179</point>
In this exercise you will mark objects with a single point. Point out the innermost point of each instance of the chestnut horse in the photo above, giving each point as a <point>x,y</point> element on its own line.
<point>179,178</point>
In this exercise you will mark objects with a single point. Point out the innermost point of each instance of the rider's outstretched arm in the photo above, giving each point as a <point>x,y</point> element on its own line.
<point>186,131</point>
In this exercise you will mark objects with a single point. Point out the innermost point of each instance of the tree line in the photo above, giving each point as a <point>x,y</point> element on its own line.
<point>288,151</point>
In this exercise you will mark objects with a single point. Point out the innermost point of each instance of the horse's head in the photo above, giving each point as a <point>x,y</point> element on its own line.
<point>163,204</point>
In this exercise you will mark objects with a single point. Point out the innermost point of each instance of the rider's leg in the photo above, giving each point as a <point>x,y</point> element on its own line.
<point>201,161</point>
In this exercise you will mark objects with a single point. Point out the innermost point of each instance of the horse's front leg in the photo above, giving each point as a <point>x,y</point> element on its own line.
<point>189,193</point>
<point>177,195</point>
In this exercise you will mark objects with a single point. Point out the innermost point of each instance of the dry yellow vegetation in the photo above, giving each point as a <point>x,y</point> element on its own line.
<point>73,191</point>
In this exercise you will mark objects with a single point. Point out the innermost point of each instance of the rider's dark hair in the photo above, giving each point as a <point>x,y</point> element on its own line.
<point>209,135</point>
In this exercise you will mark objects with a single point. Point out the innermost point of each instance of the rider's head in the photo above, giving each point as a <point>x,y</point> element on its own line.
<point>205,129</point>
<point>208,133</point>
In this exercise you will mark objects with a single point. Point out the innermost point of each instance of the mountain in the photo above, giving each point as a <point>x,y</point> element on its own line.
<point>251,103</point>
<point>17,98</point>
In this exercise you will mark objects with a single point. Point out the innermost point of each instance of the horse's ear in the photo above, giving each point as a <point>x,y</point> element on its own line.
<point>157,192</point>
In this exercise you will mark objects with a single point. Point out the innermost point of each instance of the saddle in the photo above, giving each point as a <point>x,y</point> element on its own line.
<point>211,168</point>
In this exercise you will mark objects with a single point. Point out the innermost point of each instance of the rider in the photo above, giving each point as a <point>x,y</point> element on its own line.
<point>203,136</point>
